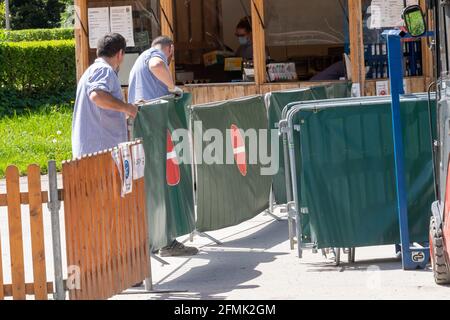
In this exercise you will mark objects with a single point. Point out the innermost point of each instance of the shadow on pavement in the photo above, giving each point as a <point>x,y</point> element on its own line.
<point>228,267</point>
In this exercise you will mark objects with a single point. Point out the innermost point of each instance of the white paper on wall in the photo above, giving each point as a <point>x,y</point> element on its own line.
<point>98,22</point>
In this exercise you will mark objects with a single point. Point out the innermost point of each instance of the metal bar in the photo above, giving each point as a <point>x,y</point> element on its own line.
<point>148,282</point>
<point>271,200</point>
<point>396,76</point>
<point>54,205</point>
<point>288,187</point>
<point>162,261</point>
<point>205,235</point>
<point>298,225</point>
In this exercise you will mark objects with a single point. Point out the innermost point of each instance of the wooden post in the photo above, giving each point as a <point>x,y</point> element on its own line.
<point>357,43</point>
<point>427,55</point>
<point>81,37</point>
<point>167,25</point>
<point>259,41</point>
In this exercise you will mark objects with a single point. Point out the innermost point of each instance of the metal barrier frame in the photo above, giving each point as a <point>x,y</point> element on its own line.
<point>287,128</point>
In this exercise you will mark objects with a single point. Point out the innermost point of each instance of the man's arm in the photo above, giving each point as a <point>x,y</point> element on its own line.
<point>159,69</point>
<point>106,101</point>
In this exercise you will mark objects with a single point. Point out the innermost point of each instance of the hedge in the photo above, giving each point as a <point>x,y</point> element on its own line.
<point>38,66</point>
<point>37,35</point>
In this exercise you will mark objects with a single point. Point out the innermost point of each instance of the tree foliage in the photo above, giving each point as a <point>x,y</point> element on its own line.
<point>30,14</point>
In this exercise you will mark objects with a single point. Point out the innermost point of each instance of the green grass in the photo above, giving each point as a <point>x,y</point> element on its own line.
<point>35,138</point>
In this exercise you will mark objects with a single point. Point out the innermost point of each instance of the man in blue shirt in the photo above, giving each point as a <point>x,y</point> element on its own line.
<point>99,118</point>
<point>150,79</point>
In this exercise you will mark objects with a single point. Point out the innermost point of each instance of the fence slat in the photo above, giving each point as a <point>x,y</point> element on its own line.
<point>15,232</point>
<point>102,226</point>
<point>93,213</point>
<point>137,232</point>
<point>29,289</point>
<point>70,225</point>
<point>128,242</point>
<point>119,225</point>
<point>140,229</point>
<point>88,228</point>
<point>37,232</point>
<point>145,242</point>
<point>110,174</point>
<point>134,234</point>
<point>2,293</point>
<point>122,245</point>
<point>106,275</point>
<point>82,230</point>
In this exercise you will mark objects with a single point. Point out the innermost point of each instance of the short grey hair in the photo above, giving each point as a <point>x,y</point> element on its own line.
<point>163,41</point>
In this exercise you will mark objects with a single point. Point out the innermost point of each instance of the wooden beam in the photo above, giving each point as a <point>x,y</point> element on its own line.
<point>81,37</point>
<point>356,43</point>
<point>259,41</point>
<point>29,289</point>
<point>427,55</point>
<point>167,25</point>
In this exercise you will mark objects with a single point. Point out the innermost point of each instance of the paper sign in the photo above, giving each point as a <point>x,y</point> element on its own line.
<point>127,181</point>
<point>387,13</point>
<point>121,21</point>
<point>382,88</point>
<point>356,90</point>
<point>138,161</point>
<point>98,22</point>
<point>116,156</point>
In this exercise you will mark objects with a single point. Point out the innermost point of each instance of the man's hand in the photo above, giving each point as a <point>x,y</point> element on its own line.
<point>131,110</point>
<point>106,101</point>
<point>177,91</point>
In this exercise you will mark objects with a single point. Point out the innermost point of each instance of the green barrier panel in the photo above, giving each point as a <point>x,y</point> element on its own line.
<point>276,101</point>
<point>225,196</point>
<point>347,174</point>
<point>170,202</point>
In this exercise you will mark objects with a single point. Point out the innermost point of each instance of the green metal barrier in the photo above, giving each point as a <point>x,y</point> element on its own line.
<point>169,187</point>
<point>345,170</point>
<point>230,194</point>
<point>276,101</point>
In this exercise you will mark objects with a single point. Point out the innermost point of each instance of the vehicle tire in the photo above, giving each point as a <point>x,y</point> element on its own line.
<point>437,254</point>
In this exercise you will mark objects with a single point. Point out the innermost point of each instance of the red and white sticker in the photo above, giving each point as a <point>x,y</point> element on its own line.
<point>240,154</point>
<point>172,164</point>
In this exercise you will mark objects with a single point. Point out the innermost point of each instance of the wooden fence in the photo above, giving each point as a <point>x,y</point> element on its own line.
<point>13,199</point>
<point>106,235</point>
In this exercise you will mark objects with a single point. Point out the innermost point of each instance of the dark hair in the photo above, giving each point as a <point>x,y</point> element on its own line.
<point>245,23</point>
<point>163,41</point>
<point>110,44</point>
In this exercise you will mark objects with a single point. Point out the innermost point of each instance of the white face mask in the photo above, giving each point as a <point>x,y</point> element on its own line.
<point>243,41</point>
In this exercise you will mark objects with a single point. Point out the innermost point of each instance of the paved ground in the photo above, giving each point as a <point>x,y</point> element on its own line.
<point>255,263</point>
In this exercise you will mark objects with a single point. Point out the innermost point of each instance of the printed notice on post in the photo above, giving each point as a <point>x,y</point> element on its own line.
<point>110,19</point>
<point>98,21</point>
<point>122,22</point>
<point>387,13</point>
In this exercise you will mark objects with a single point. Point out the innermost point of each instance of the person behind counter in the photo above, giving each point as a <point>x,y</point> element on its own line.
<point>244,35</point>
<point>334,72</point>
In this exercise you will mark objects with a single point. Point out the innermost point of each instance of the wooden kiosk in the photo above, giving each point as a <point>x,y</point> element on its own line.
<point>195,25</point>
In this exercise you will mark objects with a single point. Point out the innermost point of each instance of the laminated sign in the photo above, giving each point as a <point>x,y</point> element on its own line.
<point>122,159</point>
<point>138,161</point>
<point>127,181</point>
<point>116,156</point>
